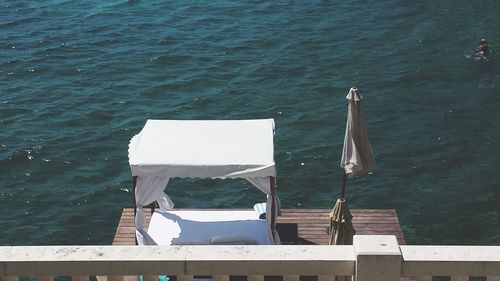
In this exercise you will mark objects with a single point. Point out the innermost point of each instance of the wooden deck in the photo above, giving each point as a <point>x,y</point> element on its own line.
<point>312,224</point>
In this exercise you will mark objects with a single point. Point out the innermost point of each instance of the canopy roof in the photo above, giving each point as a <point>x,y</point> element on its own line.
<point>204,148</point>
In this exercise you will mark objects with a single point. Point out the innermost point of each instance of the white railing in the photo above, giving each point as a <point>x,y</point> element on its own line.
<point>459,262</point>
<point>370,258</point>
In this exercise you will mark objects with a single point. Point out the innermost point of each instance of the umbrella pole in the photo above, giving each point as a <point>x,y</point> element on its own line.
<point>344,178</point>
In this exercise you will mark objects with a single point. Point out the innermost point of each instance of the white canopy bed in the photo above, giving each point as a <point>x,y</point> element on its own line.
<point>226,149</point>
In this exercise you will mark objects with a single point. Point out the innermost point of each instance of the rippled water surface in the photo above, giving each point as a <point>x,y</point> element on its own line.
<point>79,78</point>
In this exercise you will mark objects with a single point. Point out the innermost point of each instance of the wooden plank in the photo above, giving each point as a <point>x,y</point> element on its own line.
<point>312,224</point>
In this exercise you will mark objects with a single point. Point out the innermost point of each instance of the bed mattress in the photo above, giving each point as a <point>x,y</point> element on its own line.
<point>209,227</point>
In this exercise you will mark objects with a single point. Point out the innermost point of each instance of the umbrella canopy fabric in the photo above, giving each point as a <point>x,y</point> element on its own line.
<point>357,155</point>
<point>341,228</point>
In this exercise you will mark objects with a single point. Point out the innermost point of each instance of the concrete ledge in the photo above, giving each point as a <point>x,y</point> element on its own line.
<point>370,258</point>
<point>176,260</point>
<point>451,260</point>
<point>378,258</point>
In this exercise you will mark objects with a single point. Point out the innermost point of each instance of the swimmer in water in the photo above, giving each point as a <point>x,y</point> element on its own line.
<point>483,49</point>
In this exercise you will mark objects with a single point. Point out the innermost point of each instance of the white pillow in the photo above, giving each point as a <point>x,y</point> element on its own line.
<point>233,240</point>
<point>177,241</point>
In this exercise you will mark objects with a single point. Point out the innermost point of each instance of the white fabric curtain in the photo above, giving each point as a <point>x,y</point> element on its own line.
<point>271,221</point>
<point>143,238</point>
<point>261,183</point>
<point>264,184</point>
<point>148,190</point>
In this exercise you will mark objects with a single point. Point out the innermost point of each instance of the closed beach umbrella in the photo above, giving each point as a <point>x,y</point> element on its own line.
<point>357,159</point>
<point>357,155</point>
<point>341,229</point>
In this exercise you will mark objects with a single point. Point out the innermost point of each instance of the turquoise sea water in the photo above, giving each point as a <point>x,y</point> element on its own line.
<point>79,78</point>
